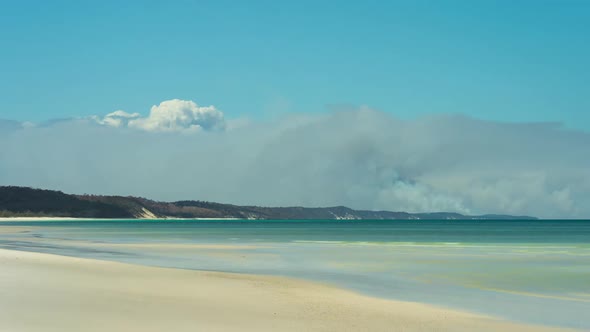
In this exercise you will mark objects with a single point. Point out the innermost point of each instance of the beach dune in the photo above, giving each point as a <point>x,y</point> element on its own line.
<point>41,292</point>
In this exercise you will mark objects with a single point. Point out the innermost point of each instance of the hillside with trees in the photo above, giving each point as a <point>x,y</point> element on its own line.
<point>29,202</point>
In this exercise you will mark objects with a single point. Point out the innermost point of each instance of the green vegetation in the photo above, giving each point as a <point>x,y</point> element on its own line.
<point>22,201</point>
<point>29,202</point>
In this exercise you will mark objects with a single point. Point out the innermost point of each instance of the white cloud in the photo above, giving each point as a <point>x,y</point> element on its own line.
<point>359,158</point>
<point>116,119</point>
<point>170,116</point>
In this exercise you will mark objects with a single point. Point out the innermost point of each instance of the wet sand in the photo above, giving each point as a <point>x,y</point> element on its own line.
<point>42,292</point>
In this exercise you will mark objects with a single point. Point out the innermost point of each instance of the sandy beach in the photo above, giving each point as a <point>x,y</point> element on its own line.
<point>42,292</point>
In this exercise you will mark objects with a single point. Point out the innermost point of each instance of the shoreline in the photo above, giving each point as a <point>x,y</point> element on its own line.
<point>23,219</point>
<point>36,219</point>
<point>40,218</point>
<point>44,292</point>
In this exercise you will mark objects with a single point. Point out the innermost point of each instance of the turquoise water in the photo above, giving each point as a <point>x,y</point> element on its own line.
<point>531,271</point>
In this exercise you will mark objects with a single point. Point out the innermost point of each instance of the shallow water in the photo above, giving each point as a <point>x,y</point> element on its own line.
<point>531,271</point>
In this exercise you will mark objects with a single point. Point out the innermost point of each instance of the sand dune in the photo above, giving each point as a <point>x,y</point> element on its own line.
<point>40,292</point>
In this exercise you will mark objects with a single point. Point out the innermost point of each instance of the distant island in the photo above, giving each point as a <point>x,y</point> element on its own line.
<point>30,202</point>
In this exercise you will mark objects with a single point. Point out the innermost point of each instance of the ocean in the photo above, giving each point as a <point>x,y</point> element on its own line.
<point>529,271</point>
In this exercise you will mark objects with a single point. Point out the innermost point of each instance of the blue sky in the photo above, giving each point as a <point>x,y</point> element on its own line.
<point>513,61</point>
<point>413,106</point>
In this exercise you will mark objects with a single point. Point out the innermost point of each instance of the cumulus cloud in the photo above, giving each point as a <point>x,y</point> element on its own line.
<point>360,158</point>
<point>170,116</point>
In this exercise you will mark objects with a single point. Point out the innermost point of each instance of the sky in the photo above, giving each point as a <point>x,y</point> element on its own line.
<point>334,102</point>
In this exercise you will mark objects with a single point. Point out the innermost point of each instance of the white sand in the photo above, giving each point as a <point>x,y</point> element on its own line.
<point>40,292</point>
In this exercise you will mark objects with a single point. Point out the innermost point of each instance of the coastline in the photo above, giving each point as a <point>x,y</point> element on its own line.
<point>35,219</point>
<point>40,218</point>
<point>44,292</point>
